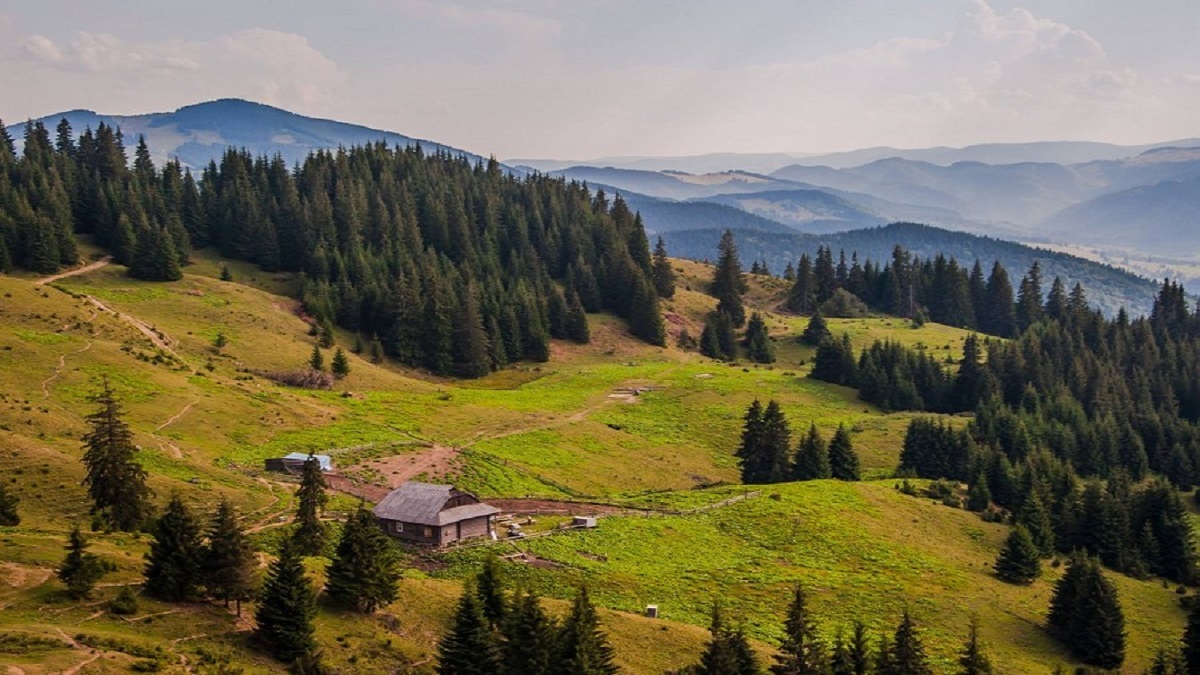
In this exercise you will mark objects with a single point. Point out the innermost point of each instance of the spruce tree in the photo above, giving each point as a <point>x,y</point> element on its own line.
<point>115,481</point>
<point>308,531</point>
<point>287,607</point>
<point>583,647</point>
<point>316,360</point>
<point>173,564</point>
<point>228,561</point>
<point>979,496</point>
<point>80,570</point>
<point>1029,298</point>
<point>468,648</point>
<point>727,652</point>
<point>575,321</point>
<point>840,662</point>
<point>727,284</point>
<point>645,317</point>
<point>816,330</point>
<point>340,365</point>
<point>812,457</point>
<point>9,517</point>
<point>710,344</point>
<point>529,638</point>
<point>860,649</point>
<point>843,461</point>
<point>758,342</point>
<point>834,362</point>
<point>1019,561</point>
<point>490,588</point>
<point>1085,614</point>
<point>907,653</point>
<point>365,567</point>
<point>664,276</point>
<point>972,660</point>
<point>1191,641</point>
<point>802,652</point>
<point>1036,519</point>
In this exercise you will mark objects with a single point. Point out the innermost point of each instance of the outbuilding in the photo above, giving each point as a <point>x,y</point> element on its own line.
<point>294,463</point>
<point>436,515</point>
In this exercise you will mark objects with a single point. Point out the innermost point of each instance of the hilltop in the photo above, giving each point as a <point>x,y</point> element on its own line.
<point>614,421</point>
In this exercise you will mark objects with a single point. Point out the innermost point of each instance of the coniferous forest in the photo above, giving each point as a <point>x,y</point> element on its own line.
<point>455,267</point>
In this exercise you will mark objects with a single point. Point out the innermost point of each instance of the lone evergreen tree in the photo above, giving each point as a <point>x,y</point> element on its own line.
<point>758,342</point>
<point>802,652</point>
<point>365,568</point>
<point>115,481</point>
<point>340,365</point>
<point>316,360</point>
<point>843,461</point>
<point>173,565</point>
<point>287,607</point>
<point>727,284</point>
<point>972,660</point>
<point>309,532</point>
<point>1019,561</point>
<point>664,276</point>
<point>529,638</point>
<point>812,457</point>
<point>80,570</point>
<point>468,647</point>
<point>816,330</point>
<point>8,508</point>
<point>907,652</point>
<point>228,560</point>
<point>583,647</point>
<point>1085,614</point>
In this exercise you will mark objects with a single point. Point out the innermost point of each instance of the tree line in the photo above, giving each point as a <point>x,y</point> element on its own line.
<point>456,267</point>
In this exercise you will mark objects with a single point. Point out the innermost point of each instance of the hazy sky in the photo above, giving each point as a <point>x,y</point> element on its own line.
<point>587,78</point>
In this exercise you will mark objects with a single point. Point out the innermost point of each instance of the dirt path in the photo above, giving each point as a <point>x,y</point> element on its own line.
<point>157,337</point>
<point>176,416</point>
<point>78,270</point>
<point>62,363</point>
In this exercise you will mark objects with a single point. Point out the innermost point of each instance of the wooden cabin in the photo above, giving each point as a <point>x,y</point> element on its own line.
<point>435,515</point>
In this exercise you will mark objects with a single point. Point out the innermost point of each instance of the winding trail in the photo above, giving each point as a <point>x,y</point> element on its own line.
<point>176,416</point>
<point>78,270</point>
<point>62,363</point>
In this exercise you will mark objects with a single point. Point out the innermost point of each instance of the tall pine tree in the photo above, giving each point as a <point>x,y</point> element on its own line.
<point>287,607</point>
<point>365,567</point>
<point>115,481</point>
<point>308,531</point>
<point>173,564</point>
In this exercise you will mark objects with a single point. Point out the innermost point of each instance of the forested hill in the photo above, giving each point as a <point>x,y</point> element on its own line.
<point>198,134</point>
<point>1108,288</point>
<point>447,264</point>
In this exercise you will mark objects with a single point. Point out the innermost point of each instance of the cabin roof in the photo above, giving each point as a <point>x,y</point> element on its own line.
<point>425,504</point>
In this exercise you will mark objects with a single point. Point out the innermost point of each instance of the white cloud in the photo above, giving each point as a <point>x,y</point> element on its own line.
<point>104,72</point>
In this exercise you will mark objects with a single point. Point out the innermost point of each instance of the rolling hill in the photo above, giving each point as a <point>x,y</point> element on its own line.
<point>569,429</point>
<point>197,134</point>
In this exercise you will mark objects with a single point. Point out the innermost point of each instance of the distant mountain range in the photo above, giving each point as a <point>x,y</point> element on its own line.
<point>1143,197</point>
<point>1052,152</point>
<point>196,134</point>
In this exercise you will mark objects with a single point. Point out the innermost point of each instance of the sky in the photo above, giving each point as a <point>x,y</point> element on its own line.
<point>581,79</point>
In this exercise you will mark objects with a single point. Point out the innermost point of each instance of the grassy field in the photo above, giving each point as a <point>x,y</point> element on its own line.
<point>615,421</point>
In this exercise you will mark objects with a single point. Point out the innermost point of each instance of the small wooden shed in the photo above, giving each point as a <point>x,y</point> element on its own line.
<point>436,515</point>
<point>294,463</point>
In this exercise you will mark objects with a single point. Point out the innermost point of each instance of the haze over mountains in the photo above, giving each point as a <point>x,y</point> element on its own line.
<point>1135,201</point>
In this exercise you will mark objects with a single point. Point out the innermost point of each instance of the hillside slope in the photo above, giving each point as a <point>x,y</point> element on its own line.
<point>613,421</point>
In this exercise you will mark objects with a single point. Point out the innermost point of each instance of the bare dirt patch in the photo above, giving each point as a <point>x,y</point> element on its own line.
<point>433,463</point>
<point>17,575</point>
